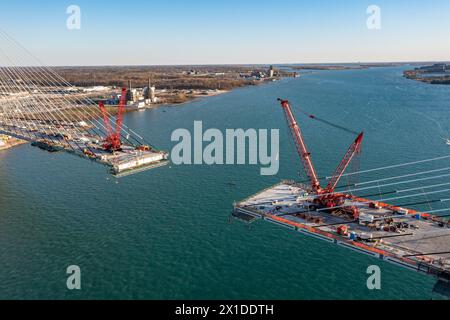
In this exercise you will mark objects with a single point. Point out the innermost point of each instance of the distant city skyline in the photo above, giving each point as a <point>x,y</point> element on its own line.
<point>203,32</point>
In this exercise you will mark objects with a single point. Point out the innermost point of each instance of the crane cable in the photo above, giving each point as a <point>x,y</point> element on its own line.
<point>311,116</point>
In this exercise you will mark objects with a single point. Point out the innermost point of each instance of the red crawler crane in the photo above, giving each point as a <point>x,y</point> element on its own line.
<point>326,197</point>
<point>112,141</point>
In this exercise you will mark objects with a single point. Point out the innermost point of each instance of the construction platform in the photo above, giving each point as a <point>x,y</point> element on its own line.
<point>406,238</point>
<point>126,161</point>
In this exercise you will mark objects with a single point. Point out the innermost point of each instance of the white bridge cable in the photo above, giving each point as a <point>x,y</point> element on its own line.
<point>39,74</point>
<point>392,166</point>
<point>76,112</point>
<point>76,109</point>
<point>31,104</point>
<point>47,116</point>
<point>378,186</point>
<point>8,89</point>
<point>400,177</point>
<point>24,124</point>
<point>56,110</point>
<point>69,120</point>
<point>53,75</point>
<point>17,108</point>
<point>7,110</point>
<point>5,105</point>
<point>423,187</point>
<point>70,103</point>
<point>17,73</point>
<point>364,203</point>
<point>401,182</point>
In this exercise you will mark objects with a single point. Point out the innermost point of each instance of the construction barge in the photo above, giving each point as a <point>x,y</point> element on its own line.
<point>126,161</point>
<point>122,162</point>
<point>386,232</point>
<point>407,238</point>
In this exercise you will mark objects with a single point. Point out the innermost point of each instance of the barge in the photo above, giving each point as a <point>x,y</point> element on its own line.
<point>406,238</point>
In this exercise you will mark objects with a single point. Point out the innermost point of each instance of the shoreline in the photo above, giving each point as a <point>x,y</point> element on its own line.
<point>11,143</point>
<point>189,100</point>
<point>437,74</point>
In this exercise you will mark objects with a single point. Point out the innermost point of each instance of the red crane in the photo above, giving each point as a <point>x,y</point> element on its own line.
<point>354,149</point>
<point>302,150</point>
<point>112,141</point>
<point>328,198</point>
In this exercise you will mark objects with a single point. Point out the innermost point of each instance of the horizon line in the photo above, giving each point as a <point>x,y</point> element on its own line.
<point>258,64</point>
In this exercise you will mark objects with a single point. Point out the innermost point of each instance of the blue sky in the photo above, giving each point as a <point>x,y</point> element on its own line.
<point>221,32</point>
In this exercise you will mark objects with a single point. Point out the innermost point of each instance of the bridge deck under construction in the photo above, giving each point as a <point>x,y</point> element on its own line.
<point>75,139</point>
<point>39,106</point>
<point>417,241</point>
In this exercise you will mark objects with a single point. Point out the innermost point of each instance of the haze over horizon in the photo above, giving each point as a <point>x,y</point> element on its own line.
<point>229,32</point>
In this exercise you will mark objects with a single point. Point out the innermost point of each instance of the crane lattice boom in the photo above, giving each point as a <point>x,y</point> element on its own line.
<point>328,199</point>
<point>354,149</point>
<point>302,150</point>
<point>112,141</point>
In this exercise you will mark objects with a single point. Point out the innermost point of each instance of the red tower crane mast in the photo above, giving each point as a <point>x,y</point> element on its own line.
<point>112,141</point>
<point>328,198</point>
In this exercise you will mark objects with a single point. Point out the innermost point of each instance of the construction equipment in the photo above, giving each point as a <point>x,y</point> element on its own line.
<point>326,196</point>
<point>112,141</point>
<point>405,237</point>
<point>143,148</point>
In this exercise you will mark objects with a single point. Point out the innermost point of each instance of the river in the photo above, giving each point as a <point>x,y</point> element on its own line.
<point>165,234</point>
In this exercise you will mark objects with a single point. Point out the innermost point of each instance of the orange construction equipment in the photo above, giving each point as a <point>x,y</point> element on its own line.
<point>342,230</point>
<point>144,148</point>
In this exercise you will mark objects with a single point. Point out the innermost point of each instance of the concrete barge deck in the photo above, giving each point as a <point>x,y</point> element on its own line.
<point>417,241</point>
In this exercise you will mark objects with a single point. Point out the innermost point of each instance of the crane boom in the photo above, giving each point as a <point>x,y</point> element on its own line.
<point>327,198</point>
<point>354,149</point>
<point>112,141</point>
<point>302,150</point>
